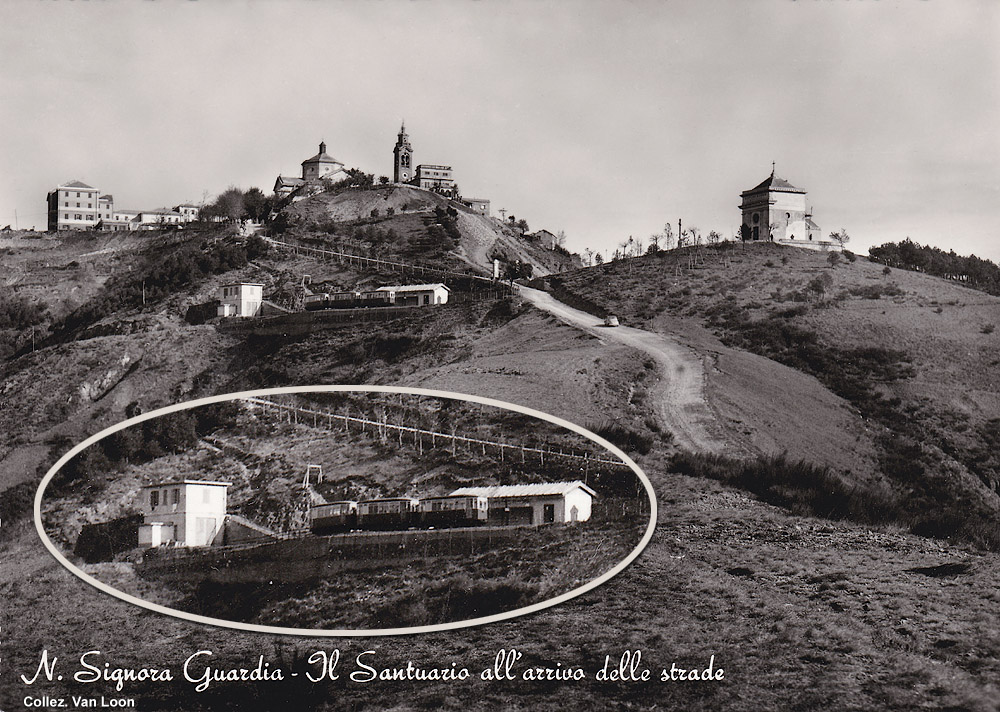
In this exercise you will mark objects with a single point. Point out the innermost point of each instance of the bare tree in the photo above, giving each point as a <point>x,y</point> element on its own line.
<point>841,238</point>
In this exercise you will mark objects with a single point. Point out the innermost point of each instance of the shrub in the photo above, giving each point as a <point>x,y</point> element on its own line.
<point>987,329</point>
<point>628,439</point>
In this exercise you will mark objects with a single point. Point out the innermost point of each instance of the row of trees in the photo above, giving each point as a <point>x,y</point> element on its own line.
<point>979,273</point>
<point>234,205</point>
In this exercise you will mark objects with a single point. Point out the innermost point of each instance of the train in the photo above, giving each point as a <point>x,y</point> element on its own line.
<point>348,300</point>
<point>404,295</point>
<point>396,513</point>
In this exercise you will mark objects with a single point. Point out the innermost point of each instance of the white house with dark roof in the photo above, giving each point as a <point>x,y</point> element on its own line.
<point>319,167</point>
<point>777,211</point>
<point>539,503</point>
<point>412,295</point>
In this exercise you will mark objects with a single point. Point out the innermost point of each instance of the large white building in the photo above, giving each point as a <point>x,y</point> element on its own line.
<point>78,206</point>
<point>777,211</point>
<point>182,512</point>
<point>75,206</point>
<point>540,503</point>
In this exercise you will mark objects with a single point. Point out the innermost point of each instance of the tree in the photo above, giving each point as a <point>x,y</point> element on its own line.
<point>714,238</point>
<point>598,258</point>
<point>231,204</point>
<point>818,285</point>
<point>383,180</point>
<point>257,206</point>
<point>833,258</point>
<point>588,257</point>
<point>841,238</point>
<point>561,238</point>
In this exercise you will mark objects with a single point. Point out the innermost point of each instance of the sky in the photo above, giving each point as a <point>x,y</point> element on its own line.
<point>602,119</point>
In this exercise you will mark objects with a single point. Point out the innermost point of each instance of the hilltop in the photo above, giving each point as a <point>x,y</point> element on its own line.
<point>800,609</point>
<point>910,360</point>
<point>403,222</point>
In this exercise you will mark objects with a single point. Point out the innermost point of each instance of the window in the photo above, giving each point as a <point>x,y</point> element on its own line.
<point>154,499</point>
<point>177,496</point>
<point>77,216</point>
<point>78,205</point>
<point>66,216</point>
<point>78,195</point>
<point>66,205</point>
<point>90,205</point>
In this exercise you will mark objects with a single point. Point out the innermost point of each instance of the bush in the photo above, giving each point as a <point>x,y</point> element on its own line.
<point>626,438</point>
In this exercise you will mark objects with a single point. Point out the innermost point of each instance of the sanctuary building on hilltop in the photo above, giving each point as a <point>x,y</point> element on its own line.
<point>777,211</point>
<point>434,177</point>
<point>319,167</point>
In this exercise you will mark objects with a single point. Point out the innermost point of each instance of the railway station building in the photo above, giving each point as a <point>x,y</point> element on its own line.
<point>413,295</point>
<point>539,503</point>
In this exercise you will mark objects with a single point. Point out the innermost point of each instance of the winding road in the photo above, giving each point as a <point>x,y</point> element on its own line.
<point>680,394</point>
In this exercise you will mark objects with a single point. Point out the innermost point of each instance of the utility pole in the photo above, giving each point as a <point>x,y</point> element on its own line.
<point>503,214</point>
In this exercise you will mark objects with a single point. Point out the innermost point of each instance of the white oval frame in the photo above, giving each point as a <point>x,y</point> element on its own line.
<point>257,628</point>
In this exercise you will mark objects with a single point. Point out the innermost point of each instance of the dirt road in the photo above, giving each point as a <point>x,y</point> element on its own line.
<point>680,395</point>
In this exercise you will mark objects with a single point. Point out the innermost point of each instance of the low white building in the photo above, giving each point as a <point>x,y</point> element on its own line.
<point>407,295</point>
<point>240,299</point>
<point>182,513</point>
<point>540,503</point>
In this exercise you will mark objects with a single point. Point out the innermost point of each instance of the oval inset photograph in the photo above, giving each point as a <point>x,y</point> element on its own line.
<point>345,510</point>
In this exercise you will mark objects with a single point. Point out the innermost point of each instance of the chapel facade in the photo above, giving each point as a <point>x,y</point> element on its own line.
<point>777,211</point>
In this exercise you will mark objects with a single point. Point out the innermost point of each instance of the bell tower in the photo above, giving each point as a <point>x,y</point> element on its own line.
<point>402,169</point>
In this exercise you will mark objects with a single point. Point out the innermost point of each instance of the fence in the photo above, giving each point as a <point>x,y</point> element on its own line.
<point>295,558</point>
<point>378,263</point>
<point>420,437</point>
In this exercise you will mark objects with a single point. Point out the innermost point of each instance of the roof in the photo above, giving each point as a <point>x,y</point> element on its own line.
<point>388,499</point>
<point>289,180</point>
<point>161,211</point>
<point>811,224</point>
<point>412,288</point>
<point>541,489</point>
<point>774,183</point>
<point>77,184</point>
<point>433,165</point>
<point>107,197</point>
<point>188,482</point>
<point>243,284</point>
<point>322,157</point>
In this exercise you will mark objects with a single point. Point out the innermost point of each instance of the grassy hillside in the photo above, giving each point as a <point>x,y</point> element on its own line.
<point>802,612</point>
<point>914,355</point>
<point>410,224</point>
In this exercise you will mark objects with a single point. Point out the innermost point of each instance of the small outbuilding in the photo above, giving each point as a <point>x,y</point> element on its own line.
<point>240,299</point>
<point>539,503</point>
<point>413,295</point>
<point>182,512</point>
